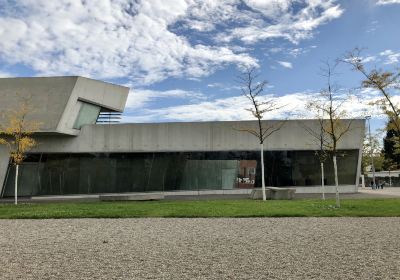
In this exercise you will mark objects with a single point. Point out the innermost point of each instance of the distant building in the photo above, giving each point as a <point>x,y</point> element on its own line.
<point>391,178</point>
<point>80,154</point>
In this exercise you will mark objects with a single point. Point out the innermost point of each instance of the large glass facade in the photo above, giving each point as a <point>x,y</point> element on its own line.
<point>61,174</point>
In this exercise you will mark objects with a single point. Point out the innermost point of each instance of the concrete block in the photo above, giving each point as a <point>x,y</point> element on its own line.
<point>256,194</point>
<point>131,197</point>
<point>59,198</point>
<point>281,193</point>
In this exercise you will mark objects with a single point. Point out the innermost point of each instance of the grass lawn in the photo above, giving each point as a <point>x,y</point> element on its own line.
<point>212,208</point>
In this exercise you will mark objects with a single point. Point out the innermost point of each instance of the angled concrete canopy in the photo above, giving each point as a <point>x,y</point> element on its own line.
<point>57,101</point>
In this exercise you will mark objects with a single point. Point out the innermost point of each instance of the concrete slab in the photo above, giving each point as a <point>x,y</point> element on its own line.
<point>281,193</point>
<point>61,198</point>
<point>257,194</point>
<point>132,197</point>
<point>273,193</point>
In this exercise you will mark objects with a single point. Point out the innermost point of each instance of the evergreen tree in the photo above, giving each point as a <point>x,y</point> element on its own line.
<point>390,151</point>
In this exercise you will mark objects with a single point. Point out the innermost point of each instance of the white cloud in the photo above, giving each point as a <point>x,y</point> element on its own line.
<point>216,85</point>
<point>5,74</point>
<point>387,2</point>
<point>390,56</point>
<point>293,25</point>
<point>275,50</point>
<point>204,15</point>
<point>142,40</point>
<point>296,52</point>
<point>234,108</point>
<point>271,8</point>
<point>367,59</point>
<point>108,39</point>
<point>224,87</point>
<point>286,64</point>
<point>139,98</point>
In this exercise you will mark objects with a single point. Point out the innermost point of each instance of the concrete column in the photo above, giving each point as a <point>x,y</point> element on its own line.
<point>358,175</point>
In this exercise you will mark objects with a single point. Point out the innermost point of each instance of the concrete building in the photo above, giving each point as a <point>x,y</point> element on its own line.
<point>77,155</point>
<point>390,177</point>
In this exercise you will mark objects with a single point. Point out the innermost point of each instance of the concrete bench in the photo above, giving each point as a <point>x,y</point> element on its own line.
<point>256,194</point>
<point>131,197</point>
<point>274,193</point>
<point>281,193</point>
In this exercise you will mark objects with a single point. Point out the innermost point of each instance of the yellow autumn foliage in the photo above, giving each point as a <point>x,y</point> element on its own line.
<point>16,132</point>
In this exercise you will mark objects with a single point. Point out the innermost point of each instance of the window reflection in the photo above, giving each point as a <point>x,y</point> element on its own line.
<point>85,173</point>
<point>88,114</point>
<point>247,174</point>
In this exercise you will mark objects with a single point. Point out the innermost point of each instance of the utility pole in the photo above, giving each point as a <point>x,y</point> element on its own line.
<point>371,151</point>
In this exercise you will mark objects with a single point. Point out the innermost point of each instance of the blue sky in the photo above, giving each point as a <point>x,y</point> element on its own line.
<point>181,57</point>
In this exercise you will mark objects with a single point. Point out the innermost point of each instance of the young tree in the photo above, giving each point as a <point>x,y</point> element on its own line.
<point>16,134</point>
<point>372,151</point>
<point>320,138</point>
<point>253,90</point>
<point>330,103</point>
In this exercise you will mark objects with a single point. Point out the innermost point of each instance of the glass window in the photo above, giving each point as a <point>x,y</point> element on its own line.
<point>88,114</point>
<point>85,173</point>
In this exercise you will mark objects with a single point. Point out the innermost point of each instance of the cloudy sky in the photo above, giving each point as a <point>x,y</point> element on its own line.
<point>181,57</point>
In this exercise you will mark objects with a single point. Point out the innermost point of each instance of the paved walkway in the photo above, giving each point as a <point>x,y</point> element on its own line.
<point>251,248</point>
<point>386,192</point>
<point>365,193</point>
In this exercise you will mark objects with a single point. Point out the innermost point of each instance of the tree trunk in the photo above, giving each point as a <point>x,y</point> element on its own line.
<point>336,182</point>
<point>322,181</point>
<point>262,172</point>
<point>16,185</point>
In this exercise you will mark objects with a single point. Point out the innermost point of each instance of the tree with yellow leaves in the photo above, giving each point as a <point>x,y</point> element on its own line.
<point>17,134</point>
<point>387,83</point>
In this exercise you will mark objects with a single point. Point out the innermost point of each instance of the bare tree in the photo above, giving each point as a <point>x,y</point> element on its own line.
<point>320,138</point>
<point>253,90</point>
<point>330,103</point>
<point>16,134</point>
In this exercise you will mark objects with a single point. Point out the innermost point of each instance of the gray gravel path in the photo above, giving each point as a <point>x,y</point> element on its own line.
<point>259,248</point>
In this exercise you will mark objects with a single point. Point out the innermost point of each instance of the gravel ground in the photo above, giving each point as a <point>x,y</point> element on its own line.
<point>259,248</point>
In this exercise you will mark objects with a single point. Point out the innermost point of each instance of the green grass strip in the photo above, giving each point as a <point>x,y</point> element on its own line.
<point>201,208</point>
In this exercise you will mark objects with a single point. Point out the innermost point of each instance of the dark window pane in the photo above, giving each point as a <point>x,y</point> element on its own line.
<point>61,174</point>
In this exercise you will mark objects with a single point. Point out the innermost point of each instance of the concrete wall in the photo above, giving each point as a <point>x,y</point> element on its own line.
<point>4,159</point>
<point>54,100</point>
<point>201,136</point>
<point>55,104</point>
<point>48,98</point>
